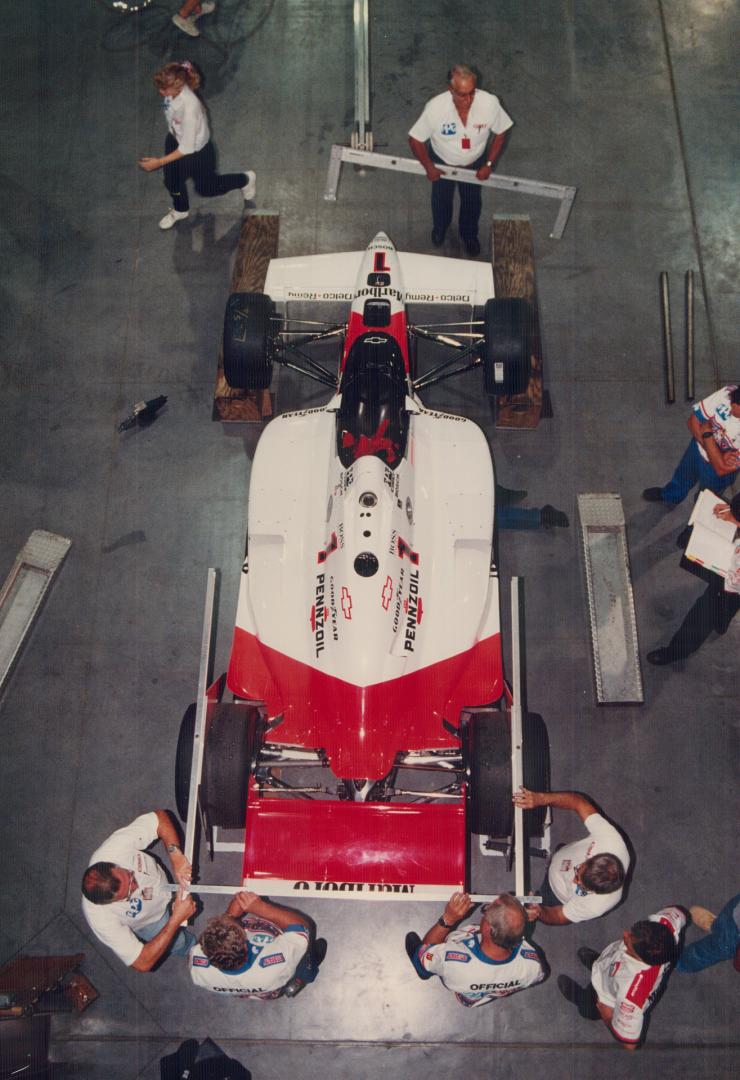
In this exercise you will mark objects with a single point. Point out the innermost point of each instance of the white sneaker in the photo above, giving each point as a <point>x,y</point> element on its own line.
<point>206,8</point>
<point>172,217</point>
<point>186,25</point>
<point>250,188</point>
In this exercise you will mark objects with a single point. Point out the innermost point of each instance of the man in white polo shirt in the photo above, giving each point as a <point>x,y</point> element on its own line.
<point>585,878</point>
<point>464,127</point>
<point>125,896</point>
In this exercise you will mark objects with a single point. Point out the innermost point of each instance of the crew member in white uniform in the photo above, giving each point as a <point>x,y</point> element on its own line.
<point>256,949</point>
<point>125,896</point>
<point>464,127</point>
<point>478,962</point>
<point>627,977</point>
<point>585,879</point>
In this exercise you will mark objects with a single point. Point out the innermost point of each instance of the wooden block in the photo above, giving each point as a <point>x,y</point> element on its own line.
<point>258,243</point>
<point>513,275</point>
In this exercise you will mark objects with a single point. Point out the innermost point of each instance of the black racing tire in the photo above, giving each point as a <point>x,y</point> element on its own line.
<point>491,808</point>
<point>183,761</point>
<point>507,345</point>
<point>227,761</point>
<point>248,341</point>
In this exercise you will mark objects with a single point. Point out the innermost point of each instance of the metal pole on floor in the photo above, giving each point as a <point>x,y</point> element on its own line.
<point>689,335</point>
<point>665,313</point>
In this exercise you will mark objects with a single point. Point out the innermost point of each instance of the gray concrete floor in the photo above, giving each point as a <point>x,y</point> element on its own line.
<point>630,102</point>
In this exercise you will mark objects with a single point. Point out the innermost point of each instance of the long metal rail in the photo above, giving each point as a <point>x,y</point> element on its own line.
<point>362,136</point>
<point>367,159</point>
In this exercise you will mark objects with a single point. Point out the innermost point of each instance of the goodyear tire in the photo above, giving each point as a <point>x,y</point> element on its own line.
<point>491,808</point>
<point>229,750</point>
<point>248,341</point>
<point>183,761</point>
<point>507,345</point>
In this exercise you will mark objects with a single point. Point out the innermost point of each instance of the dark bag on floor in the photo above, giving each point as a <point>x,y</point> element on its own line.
<point>205,1062</point>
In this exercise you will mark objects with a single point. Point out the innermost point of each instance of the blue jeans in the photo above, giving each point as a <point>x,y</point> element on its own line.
<point>693,469</point>
<point>182,942</point>
<point>307,970</point>
<point>518,517</point>
<point>719,944</point>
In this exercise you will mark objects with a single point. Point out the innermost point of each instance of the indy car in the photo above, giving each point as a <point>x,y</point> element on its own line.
<point>368,742</point>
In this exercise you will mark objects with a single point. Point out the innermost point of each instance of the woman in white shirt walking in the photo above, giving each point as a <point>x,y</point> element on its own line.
<point>188,150</point>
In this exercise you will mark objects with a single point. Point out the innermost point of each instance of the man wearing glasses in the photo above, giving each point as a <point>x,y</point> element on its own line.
<point>125,898</point>
<point>585,878</point>
<point>464,127</point>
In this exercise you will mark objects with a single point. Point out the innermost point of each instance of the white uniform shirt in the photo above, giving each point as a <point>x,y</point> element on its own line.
<point>116,924</point>
<point>187,121</point>
<point>454,142</point>
<point>725,427</point>
<point>272,957</point>
<point>602,839</point>
<point>628,986</point>
<point>475,978</point>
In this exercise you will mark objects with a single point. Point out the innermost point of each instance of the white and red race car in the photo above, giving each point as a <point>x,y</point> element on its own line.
<point>364,747</point>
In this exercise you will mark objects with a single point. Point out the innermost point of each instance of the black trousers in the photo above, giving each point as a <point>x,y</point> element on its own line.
<point>199,167</point>
<point>443,195</point>
<point>714,610</point>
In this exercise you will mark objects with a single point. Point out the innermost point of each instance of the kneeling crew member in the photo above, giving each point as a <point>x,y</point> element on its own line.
<point>479,963</point>
<point>237,955</point>
<point>585,878</point>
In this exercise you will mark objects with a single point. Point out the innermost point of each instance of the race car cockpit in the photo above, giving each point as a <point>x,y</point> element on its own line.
<point>372,417</point>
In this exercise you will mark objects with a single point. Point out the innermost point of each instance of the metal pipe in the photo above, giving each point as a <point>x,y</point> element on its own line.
<point>689,335</point>
<point>517,777</point>
<point>665,312</point>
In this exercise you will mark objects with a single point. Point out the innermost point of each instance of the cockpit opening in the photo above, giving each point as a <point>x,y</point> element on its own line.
<point>372,417</point>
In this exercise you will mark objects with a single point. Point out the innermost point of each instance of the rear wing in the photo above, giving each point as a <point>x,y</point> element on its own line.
<point>427,279</point>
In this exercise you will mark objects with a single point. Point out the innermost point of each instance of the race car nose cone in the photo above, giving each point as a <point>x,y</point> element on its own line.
<point>382,239</point>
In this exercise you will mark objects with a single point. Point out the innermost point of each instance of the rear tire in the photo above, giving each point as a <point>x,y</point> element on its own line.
<point>229,750</point>
<point>248,341</point>
<point>507,345</point>
<point>491,808</point>
<point>184,760</point>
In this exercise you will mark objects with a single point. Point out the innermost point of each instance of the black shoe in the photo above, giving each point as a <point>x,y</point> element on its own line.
<point>319,951</point>
<point>412,943</point>
<point>438,237</point>
<point>587,956</point>
<point>509,496</point>
<point>550,518</point>
<point>684,536</point>
<point>653,495</point>
<point>660,657</point>
<point>472,247</point>
<point>582,998</point>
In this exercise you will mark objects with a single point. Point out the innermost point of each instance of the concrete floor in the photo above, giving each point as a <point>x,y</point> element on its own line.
<point>630,102</point>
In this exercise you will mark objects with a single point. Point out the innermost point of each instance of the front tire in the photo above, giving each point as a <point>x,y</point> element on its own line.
<point>491,808</point>
<point>248,341</point>
<point>229,751</point>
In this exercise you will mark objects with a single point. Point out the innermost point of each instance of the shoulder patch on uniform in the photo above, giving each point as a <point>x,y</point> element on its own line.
<point>529,954</point>
<point>201,961</point>
<point>462,957</point>
<point>273,958</point>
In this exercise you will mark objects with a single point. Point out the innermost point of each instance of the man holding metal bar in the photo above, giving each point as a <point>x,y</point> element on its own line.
<point>465,128</point>
<point>126,894</point>
<point>478,963</point>
<point>584,879</point>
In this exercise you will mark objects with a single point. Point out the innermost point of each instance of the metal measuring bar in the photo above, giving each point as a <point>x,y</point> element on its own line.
<point>24,590</point>
<point>199,740</point>
<point>689,335</point>
<point>517,769</point>
<point>362,136</point>
<point>324,890</point>
<point>611,603</point>
<point>365,158</point>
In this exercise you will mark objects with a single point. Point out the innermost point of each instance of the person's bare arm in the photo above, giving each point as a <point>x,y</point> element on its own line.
<point>152,951</point>
<point>420,152</point>
<point>151,164</point>
<point>245,903</point>
<point>701,430</point>
<point>494,152</point>
<point>563,800</point>
<point>457,908</point>
<point>170,837</point>
<point>550,916</point>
